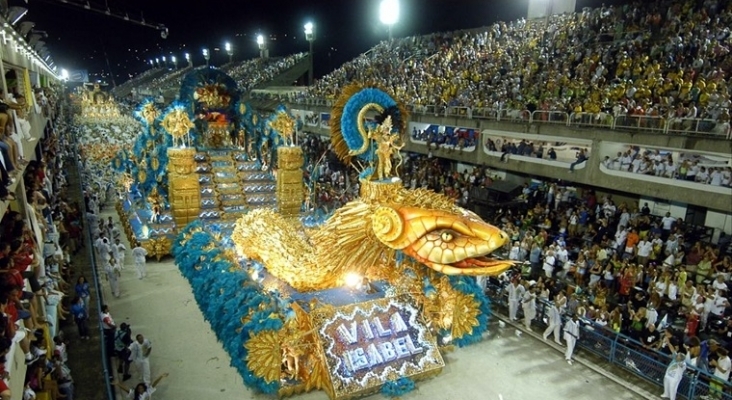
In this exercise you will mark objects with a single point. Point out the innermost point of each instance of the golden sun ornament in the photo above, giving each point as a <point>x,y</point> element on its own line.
<point>265,355</point>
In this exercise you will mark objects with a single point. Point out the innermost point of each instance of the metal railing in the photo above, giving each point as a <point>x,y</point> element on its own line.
<point>627,353</point>
<point>601,120</point>
<point>107,368</point>
<point>550,117</point>
<point>643,123</point>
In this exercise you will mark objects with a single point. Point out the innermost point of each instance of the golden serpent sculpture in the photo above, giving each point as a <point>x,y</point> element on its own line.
<point>367,233</point>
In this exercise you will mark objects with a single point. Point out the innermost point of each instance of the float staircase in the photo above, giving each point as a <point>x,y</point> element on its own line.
<point>231,185</point>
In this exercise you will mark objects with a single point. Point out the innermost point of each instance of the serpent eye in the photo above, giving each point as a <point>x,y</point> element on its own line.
<point>446,236</point>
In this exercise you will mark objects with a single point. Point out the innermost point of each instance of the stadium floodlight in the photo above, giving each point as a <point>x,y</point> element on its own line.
<point>229,50</point>
<point>206,56</point>
<point>389,13</point>
<point>64,74</point>
<point>263,53</point>
<point>310,37</point>
<point>174,60</point>
<point>188,59</point>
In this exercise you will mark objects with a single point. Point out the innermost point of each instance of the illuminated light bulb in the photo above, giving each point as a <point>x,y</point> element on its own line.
<point>353,279</point>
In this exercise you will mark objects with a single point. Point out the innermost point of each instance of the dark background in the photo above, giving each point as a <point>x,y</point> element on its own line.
<point>80,39</point>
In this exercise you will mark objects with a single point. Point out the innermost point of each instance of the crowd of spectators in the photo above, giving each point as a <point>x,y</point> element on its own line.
<point>657,280</point>
<point>663,58</point>
<point>449,138</point>
<point>135,81</point>
<point>171,79</point>
<point>656,163</point>
<point>329,184</point>
<point>34,269</point>
<point>249,74</point>
<point>332,185</point>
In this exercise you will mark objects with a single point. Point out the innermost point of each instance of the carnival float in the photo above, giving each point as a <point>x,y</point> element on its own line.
<point>364,300</point>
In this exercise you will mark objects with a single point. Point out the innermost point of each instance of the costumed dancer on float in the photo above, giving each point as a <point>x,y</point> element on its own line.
<point>555,323</point>
<point>571,335</point>
<point>155,215</point>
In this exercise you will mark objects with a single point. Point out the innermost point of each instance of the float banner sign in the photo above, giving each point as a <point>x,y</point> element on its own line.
<point>367,344</point>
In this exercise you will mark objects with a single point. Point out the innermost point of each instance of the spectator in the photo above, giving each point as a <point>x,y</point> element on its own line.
<point>142,391</point>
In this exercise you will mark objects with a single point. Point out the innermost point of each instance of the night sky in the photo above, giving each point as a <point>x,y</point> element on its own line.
<point>79,39</point>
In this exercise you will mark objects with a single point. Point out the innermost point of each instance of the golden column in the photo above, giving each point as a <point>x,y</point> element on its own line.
<point>184,188</point>
<point>289,180</point>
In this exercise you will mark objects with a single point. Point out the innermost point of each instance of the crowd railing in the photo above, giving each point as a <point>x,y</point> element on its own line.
<point>643,123</point>
<point>550,117</point>
<point>624,352</point>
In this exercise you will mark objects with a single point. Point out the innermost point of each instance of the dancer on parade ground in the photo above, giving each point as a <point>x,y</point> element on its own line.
<point>121,253</point>
<point>528,304</point>
<point>139,253</point>
<point>140,355</point>
<point>571,335</point>
<point>515,293</point>
<point>555,323</point>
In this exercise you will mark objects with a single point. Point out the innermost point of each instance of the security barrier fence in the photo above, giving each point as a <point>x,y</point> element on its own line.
<point>625,352</point>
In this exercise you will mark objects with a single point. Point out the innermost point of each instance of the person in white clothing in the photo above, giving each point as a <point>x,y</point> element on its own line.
<point>140,355</point>
<point>722,366</point>
<point>571,335</point>
<point>528,304</point>
<point>549,262</point>
<point>515,293</point>
<point>121,253</point>
<point>142,391</point>
<point>111,269</point>
<point>555,323</point>
<point>674,374</point>
<point>139,253</point>
<point>514,253</point>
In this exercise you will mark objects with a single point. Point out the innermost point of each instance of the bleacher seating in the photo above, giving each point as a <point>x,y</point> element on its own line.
<point>647,62</point>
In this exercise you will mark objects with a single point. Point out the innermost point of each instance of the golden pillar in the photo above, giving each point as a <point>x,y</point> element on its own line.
<point>183,186</point>
<point>289,180</point>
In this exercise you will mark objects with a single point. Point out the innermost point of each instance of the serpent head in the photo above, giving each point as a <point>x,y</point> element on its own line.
<point>451,243</point>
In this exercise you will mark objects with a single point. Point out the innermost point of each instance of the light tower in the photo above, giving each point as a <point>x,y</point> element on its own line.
<point>389,13</point>
<point>188,59</point>
<point>310,37</point>
<point>206,56</point>
<point>263,52</point>
<point>175,61</point>
<point>229,51</point>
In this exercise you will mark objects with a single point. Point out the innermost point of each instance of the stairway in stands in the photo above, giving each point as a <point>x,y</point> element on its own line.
<point>231,185</point>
